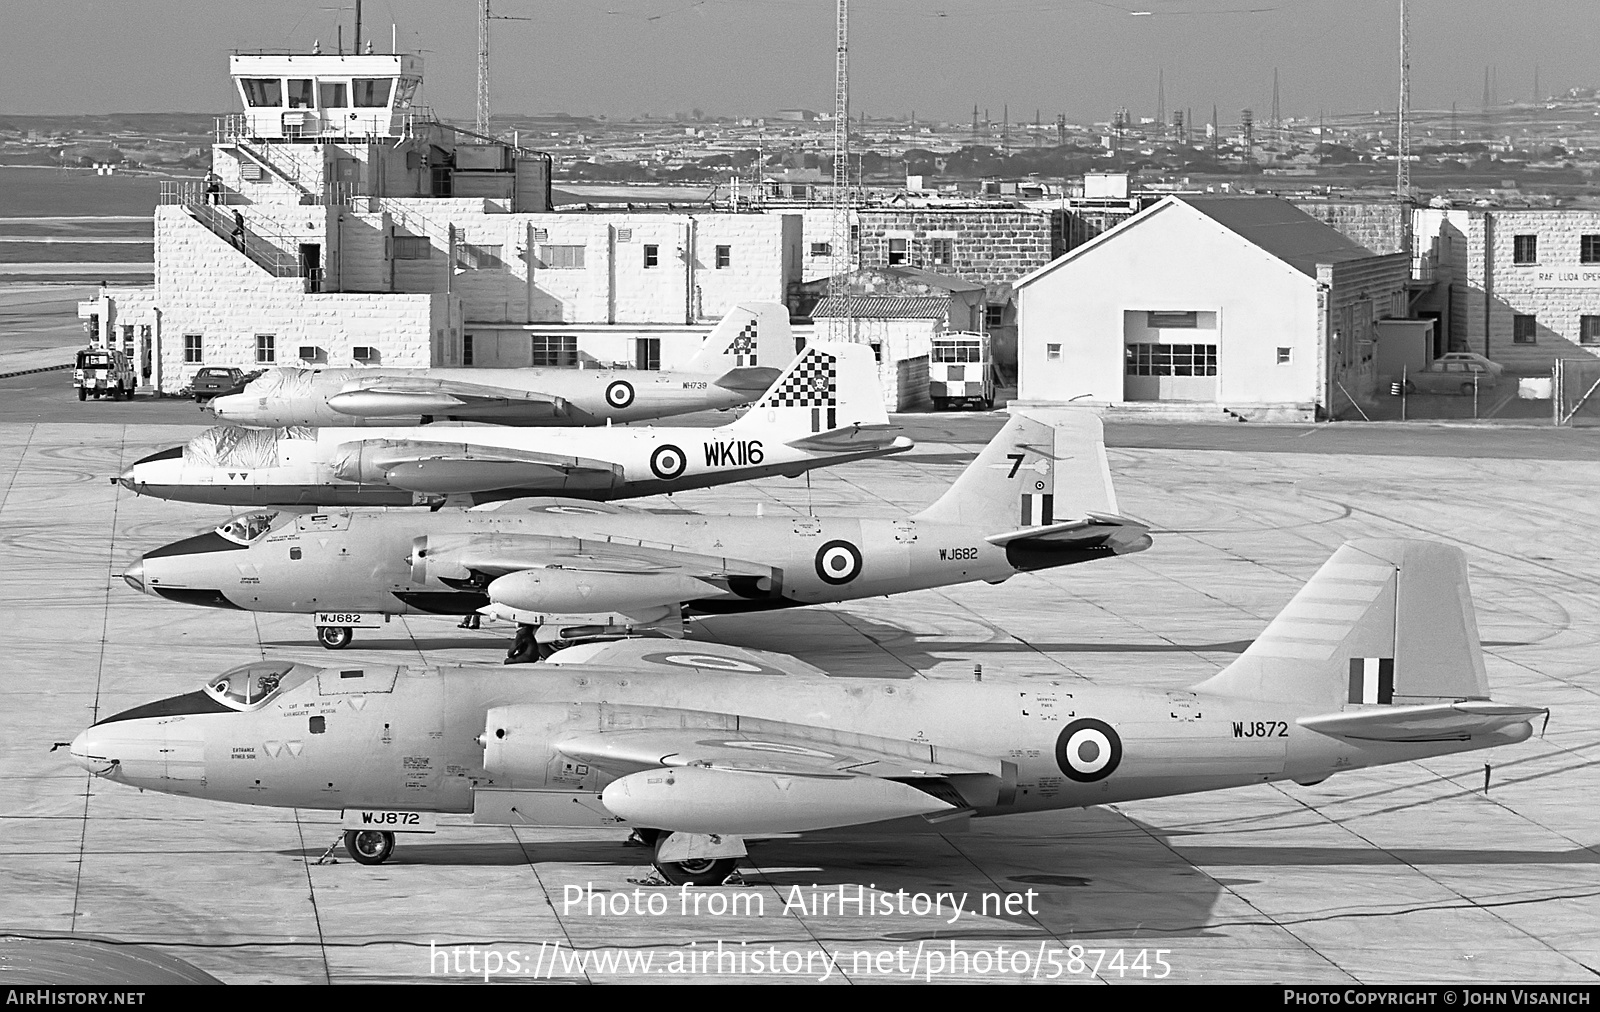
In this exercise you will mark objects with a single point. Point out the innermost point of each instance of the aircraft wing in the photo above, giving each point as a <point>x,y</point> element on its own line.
<point>1427,722</point>
<point>756,746</point>
<point>379,396</point>
<point>649,656</point>
<point>848,438</point>
<point>1091,531</point>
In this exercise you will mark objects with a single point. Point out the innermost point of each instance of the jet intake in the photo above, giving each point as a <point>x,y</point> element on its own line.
<point>578,590</point>
<point>695,799</point>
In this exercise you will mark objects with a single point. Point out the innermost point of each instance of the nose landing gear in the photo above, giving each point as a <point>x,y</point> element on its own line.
<point>335,637</point>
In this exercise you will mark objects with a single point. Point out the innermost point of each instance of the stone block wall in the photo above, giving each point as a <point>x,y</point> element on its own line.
<point>991,246</point>
<point>1377,226</point>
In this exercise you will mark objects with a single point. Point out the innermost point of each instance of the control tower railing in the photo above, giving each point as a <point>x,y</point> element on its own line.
<point>274,253</point>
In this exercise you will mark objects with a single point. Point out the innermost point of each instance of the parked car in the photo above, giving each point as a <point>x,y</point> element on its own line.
<point>214,381</point>
<point>1458,372</point>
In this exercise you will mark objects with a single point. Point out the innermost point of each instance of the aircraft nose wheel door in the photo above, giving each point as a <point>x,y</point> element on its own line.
<point>368,846</point>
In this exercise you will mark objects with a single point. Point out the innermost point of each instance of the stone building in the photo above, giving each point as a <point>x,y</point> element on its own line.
<point>342,226</point>
<point>1214,306</point>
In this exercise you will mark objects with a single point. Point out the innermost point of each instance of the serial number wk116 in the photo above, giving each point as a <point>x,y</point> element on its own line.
<point>739,452</point>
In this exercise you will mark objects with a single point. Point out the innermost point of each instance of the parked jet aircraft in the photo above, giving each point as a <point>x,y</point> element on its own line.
<point>736,364</point>
<point>1038,496</point>
<point>824,409</point>
<point>1376,660</point>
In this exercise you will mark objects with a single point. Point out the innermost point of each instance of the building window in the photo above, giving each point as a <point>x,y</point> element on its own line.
<point>994,314</point>
<point>624,235</point>
<point>1160,320</point>
<point>478,258</point>
<point>1052,352</point>
<point>299,92</point>
<point>193,349</point>
<point>1524,330</point>
<point>262,92</point>
<point>561,258</point>
<point>822,249</point>
<point>941,252</point>
<point>412,247</point>
<point>1589,249</point>
<point>332,94</point>
<point>647,353</point>
<point>652,255</point>
<point>1589,330</point>
<point>371,92</point>
<point>466,349</point>
<point>1525,249</point>
<point>897,251</point>
<point>1172,360</point>
<point>266,349</point>
<point>724,257</point>
<point>1283,356</point>
<point>556,350</point>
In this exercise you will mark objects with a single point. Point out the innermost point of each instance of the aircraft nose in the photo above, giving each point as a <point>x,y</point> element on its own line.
<point>221,407</point>
<point>135,575</point>
<point>90,751</point>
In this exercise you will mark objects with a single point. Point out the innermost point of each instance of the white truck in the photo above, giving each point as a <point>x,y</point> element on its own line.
<point>960,371</point>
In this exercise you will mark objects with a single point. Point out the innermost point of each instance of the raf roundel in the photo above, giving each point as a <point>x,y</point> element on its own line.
<point>838,562</point>
<point>668,462</point>
<point>1088,750</point>
<point>619,394</point>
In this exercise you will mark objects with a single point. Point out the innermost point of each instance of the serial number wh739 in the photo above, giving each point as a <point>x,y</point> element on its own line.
<point>1260,729</point>
<point>740,452</point>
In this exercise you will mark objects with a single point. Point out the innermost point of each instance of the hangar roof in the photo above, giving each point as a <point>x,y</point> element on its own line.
<point>1281,229</point>
<point>1271,224</point>
<point>885,307</point>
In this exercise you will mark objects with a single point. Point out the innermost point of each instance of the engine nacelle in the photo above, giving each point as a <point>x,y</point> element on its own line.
<point>370,460</point>
<point>695,799</point>
<point>579,590</point>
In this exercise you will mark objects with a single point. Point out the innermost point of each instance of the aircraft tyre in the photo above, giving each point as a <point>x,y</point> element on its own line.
<point>335,637</point>
<point>941,403</point>
<point>707,871</point>
<point>524,649</point>
<point>368,846</point>
<point>83,394</point>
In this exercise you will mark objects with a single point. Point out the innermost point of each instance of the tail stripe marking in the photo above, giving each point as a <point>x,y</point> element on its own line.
<point>1038,510</point>
<point>1372,680</point>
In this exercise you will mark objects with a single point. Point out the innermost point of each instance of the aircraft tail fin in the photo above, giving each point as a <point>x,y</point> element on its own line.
<point>748,347</point>
<point>1043,466</point>
<point>1386,622</point>
<point>828,386</point>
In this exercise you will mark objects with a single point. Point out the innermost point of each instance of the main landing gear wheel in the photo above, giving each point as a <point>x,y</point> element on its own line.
<point>335,637</point>
<point>83,394</point>
<point>368,846</point>
<point>706,871</point>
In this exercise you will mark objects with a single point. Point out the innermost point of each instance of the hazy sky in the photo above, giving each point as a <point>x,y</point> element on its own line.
<point>749,57</point>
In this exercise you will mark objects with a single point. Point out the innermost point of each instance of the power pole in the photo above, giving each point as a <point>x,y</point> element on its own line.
<point>1277,118</point>
<point>1402,172</point>
<point>838,281</point>
<point>1161,100</point>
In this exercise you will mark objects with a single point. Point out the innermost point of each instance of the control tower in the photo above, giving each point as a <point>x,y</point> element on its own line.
<point>328,129</point>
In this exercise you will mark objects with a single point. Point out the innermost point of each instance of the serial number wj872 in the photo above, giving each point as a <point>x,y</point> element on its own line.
<point>1260,729</point>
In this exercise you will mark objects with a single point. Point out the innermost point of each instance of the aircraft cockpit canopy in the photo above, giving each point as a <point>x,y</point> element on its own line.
<point>248,527</point>
<point>250,685</point>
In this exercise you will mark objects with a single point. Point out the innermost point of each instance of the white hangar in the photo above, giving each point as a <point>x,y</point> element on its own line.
<point>1200,304</point>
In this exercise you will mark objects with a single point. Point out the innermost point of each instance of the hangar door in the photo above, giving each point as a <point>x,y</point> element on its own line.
<point>1170,356</point>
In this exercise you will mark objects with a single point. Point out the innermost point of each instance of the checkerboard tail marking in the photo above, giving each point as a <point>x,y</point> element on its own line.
<point>743,346</point>
<point>812,383</point>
